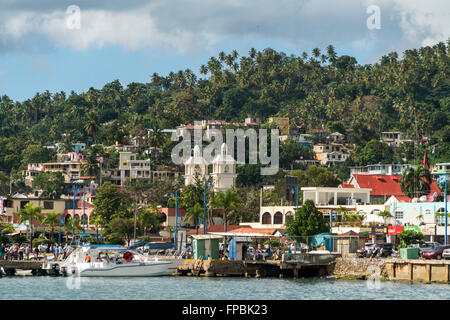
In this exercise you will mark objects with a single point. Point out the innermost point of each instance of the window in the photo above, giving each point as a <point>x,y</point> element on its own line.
<point>428,211</point>
<point>22,204</point>
<point>289,216</point>
<point>266,218</point>
<point>48,205</point>
<point>399,214</point>
<point>278,218</point>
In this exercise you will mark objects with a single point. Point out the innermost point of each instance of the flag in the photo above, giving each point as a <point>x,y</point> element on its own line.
<point>426,162</point>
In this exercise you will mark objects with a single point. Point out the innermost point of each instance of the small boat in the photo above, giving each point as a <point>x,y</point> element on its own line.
<point>115,261</point>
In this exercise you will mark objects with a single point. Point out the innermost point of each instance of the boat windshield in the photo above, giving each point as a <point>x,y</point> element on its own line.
<point>103,254</point>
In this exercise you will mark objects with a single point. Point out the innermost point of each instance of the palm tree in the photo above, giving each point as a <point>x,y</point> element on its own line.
<point>67,144</point>
<point>92,124</point>
<point>420,217</point>
<point>156,136</point>
<point>385,215</point>
<point>194,214</point>
<point>51,219</point>
<point>97,221</point>
<point>227,201</point>
<point>203,69</point>
<point>91,166</point>
<point>72,226</point>
<point>148,219</point>
<point>30,213</point>
<point>415,183</point>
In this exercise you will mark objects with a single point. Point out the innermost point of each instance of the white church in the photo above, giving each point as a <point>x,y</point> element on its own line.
<point>223,169</point>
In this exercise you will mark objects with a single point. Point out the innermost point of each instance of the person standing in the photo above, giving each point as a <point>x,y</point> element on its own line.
<point>2,251</point>
<point>27,252</point>
<point>36,253</point>
<point>65,252</point>
<point>11,252</point>
<point>55,251</point>
<point>21,252</point>
<point>60,252</point>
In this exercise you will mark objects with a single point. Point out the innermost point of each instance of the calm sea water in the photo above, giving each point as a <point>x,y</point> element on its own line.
<point>189,288</point>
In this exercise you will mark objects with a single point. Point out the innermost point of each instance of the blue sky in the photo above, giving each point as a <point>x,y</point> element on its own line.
<point>131,40</point>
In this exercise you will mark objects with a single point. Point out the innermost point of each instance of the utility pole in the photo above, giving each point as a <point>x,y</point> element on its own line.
<point>445,197</point>
<point>261,198</point>
<point>135,219</point>
<point>84,206</point>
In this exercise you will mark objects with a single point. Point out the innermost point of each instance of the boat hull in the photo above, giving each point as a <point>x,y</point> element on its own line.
<point>130,270</point>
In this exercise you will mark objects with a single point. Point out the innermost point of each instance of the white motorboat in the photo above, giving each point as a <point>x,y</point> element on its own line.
<point>111,261</point>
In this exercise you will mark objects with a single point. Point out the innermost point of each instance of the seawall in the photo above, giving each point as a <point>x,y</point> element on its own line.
<point>414,270</point>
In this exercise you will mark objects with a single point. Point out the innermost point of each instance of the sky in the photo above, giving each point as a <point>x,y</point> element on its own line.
<point>73,45</point>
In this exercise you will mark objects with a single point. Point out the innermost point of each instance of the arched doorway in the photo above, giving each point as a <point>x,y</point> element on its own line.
<point>67,218</point>
<point>266,218</point>
<point>278,218</point>
<point>289,216</point>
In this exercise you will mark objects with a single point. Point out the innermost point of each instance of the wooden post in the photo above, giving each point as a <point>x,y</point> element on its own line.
<point>428,271</point>
<point>446,274</point>
<point>295,273</point>
<point>394,271</point>
<point>411,273</point>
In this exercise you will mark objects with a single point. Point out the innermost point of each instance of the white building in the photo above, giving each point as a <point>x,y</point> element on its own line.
<point>336,197</point>
<point>130,168</point>
<point>381,169</point>
<point>195,165</point>
<point>224,170</point>
<point>393,139</point>
<point>329,153</point>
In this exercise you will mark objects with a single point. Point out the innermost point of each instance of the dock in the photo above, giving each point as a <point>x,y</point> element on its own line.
<point>10,266</point>
<point>290,266</point>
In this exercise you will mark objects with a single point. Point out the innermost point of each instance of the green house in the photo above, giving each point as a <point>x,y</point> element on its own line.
<point>205,246</point>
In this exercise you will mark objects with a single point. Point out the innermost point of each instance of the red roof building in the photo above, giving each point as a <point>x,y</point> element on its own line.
<point>383,186</point>
<point>214,228</point>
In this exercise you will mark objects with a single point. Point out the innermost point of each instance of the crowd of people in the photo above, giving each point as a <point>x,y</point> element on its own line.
<point>25,252</point>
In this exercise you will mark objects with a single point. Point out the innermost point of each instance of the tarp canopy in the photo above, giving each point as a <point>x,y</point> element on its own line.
<point>321,239</point>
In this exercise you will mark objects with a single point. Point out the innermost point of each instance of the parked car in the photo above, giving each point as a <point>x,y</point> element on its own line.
<point>366,251</point>
<point>435,252</point>
<point>158,247</point>
<point>446,254</point>
<point>425,246</point>
<point>136,245</point>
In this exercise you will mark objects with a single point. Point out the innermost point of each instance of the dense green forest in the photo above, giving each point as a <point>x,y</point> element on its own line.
<point>408,94</point>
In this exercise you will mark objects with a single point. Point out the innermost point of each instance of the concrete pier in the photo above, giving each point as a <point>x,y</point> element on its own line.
<point>10,266</point>
<point>290,265</point>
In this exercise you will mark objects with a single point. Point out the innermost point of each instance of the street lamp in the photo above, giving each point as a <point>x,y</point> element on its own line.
<point>76,182</point>
<point>176,216</point>
<point>204,205</point>
<point>444,178</point>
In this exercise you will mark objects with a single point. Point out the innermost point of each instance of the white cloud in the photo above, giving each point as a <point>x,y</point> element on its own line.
<point>198,24</point>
